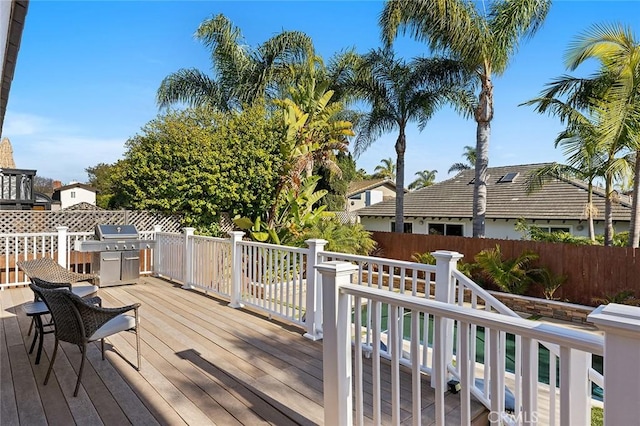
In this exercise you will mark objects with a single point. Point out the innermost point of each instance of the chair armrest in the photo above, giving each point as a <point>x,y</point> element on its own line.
<point>95,300</point>
<point>95,317</point>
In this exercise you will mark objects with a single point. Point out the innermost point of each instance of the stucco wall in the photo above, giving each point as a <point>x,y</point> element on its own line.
<point>500,229</point>
<point>81,196</point>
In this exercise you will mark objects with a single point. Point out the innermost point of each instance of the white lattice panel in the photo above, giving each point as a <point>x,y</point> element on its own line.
<point>29,221</point>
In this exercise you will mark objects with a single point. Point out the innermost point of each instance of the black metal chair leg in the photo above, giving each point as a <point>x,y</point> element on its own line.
<point>40,333</point>
<point>102,348</point>
<point>33,341</point>
<point>84,357</point>
<point>30,327</point>
<point>53,359</point>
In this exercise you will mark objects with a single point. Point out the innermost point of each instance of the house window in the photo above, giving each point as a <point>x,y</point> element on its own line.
<point>453,229</point>
<point>408,227</point>
<point>73,194</point>
<point>552,229</point>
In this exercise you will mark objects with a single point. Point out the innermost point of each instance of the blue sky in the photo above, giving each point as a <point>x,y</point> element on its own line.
<point>88,72</point>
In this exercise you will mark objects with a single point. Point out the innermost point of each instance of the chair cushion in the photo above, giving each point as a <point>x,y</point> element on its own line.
<point>84,290</point>
<point>120,323</point>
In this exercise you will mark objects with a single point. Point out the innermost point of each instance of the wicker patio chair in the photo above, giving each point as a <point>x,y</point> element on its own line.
<point>80,322</point>
<point>49,270</point>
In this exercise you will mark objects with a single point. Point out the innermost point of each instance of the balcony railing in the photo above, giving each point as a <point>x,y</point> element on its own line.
<point>424,318</point>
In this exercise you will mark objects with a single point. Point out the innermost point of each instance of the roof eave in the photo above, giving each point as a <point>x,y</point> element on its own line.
<point>16,25</point>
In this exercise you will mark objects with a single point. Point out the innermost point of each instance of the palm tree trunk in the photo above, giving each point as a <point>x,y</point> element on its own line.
<point>592,231</point>
<point>634,227</point>
<point>483,115</point>
<point>608,211</point>
<point>401,145</point>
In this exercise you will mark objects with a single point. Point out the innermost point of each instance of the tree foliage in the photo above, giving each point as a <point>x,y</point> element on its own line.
<point>43,185</point>
<point>511,275</point>
<point>485,39</point>
<point>336,185</point>
<point>101,177</point>
<point>199,163</point>
<point>397,93</point>
<point>241,74</point>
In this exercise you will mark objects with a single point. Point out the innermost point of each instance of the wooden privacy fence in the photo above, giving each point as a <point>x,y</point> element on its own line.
<point>592,271</point>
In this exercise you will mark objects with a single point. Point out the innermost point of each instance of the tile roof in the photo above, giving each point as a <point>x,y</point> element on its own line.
<point>453,198</point>
<point>359,186</point>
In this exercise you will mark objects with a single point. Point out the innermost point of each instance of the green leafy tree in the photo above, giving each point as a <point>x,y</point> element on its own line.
<point>294,216</point>
<point>470,156</point>
<point>198,163</point>
<point>241,74</point>
<point>336,184</point>
<point>484,39</point>
<point>425,178</point>
<point>385,170</point>
<point>101,177</point>
<point>618,52</point>
<point>399,93</point>
<point>511,275</point>
<point>601,112</point>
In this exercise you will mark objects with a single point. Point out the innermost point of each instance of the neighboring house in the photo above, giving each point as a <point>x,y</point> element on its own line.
<point>74,193</point>
<point>364,193</point>
<point>447,207</point>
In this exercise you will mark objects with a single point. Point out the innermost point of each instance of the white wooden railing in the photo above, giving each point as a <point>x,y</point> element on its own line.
<point>283,282</point>
<point>342,320</point>
<point>59,245</point>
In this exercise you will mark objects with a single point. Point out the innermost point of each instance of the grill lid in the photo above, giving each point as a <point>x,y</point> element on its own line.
<point>116,232</point>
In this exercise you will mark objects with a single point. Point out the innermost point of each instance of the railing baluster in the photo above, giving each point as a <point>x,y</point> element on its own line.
<point>375,362</point>
<point>416,374</point>
<point>357,372</point>
<point>394,343</point>
<point>463,364</point>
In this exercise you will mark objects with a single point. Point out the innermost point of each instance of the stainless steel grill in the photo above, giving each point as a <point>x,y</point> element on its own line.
<point>116,254</point>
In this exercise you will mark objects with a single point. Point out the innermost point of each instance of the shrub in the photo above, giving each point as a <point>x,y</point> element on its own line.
<point>511,275</point>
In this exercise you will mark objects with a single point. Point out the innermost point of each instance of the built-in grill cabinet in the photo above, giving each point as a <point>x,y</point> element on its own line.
<point>115,254</point>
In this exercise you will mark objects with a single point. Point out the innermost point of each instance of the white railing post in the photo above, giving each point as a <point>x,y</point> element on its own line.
<point>156,250</point>
<point>621,326</point>
<point>62,245</point>
<point>336,346</point>
<point>187,265</point>
<point>446,262</point>
<point>313,309</point>
<point>236,269</point>
<point>575,388</point>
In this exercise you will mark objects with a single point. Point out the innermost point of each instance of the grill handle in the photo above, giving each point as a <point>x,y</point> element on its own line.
<point>132,258</point>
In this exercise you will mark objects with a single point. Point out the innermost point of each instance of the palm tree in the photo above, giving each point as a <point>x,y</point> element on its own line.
<point>603,110</point>
<point>386,169</point>
<point>425,178</point>
<point>485,40</point>
<point>618,52</point>
<point>469,155</point>
<point>241,74</point>
<point>399,93</point>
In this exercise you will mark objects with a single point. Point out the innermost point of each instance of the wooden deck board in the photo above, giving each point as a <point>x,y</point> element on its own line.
<point>202,363</point>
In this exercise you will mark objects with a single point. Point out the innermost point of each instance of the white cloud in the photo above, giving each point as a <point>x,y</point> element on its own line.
<point>17,124</point>
<point>55,150</point>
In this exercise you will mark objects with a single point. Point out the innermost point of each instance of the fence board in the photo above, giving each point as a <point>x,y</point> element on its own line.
<point>592,271</point>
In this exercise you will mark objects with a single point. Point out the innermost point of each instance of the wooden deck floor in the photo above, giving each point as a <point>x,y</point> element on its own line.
<point>202,363</point>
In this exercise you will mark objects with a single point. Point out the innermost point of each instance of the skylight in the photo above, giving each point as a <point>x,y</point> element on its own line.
<point>509,177</point>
